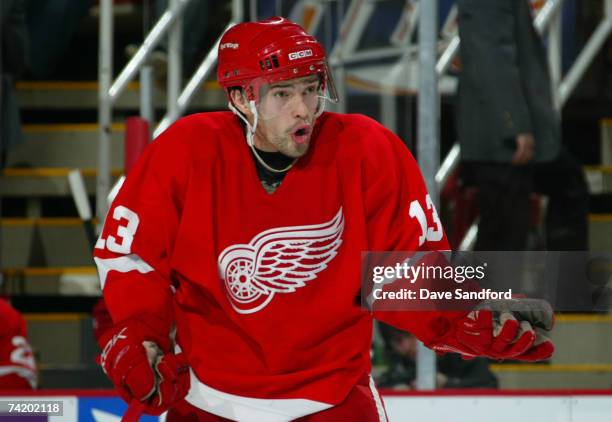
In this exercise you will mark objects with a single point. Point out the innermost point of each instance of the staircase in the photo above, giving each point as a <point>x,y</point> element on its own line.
<point>45,258</point>
<point>46,255</point>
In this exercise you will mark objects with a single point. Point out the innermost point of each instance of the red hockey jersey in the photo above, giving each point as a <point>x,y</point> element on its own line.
<point>17,366</point>
<point>264,288</point>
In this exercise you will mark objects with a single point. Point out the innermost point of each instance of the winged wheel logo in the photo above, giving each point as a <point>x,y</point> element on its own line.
<point>278,260</point>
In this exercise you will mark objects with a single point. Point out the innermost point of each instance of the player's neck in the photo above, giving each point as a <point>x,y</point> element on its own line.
<point>271,180</point>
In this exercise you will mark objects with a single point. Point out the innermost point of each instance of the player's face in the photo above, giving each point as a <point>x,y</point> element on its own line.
<point>286,114</point>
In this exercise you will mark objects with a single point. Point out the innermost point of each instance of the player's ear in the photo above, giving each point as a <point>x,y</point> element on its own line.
<point>239,100</point>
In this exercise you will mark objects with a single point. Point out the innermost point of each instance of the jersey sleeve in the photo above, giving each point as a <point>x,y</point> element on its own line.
<point>400,213</point>
<point>17,364</point>
<point>401,216</point>
<point>134,249</point>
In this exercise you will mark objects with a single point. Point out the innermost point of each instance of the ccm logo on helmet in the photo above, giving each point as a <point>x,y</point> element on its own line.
<point>300,54</point>
<point>233,46</point>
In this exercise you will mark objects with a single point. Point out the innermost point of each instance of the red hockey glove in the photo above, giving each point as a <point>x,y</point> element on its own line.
<point>503,329</point>
<point>140,370</point>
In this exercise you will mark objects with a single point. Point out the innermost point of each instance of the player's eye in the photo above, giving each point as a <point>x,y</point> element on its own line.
<point>281,94</point>
<point>310,89</point>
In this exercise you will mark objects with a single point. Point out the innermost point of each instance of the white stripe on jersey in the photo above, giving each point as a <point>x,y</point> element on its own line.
<point>248,409</point>
<point>123,264</point>
<point>380,408</point>
<point>28,374</point>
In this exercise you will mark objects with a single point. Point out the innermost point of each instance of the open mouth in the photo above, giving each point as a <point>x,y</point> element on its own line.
<point>301,134</point>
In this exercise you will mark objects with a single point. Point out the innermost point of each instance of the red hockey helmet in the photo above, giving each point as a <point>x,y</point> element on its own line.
<point>252,54</point>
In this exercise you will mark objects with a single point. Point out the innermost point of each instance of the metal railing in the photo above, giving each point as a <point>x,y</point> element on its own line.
<point>343,53</point>
<point>170,22</point>
<point>547,21</point>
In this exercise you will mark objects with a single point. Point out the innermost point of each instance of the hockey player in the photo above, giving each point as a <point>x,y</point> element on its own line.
<point>17,365</point>
<point>230,258</point>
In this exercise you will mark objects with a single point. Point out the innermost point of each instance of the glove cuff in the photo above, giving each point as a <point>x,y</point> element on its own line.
<point>143,327</point>
<point>443,328</point>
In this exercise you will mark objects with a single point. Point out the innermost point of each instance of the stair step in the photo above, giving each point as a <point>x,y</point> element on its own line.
<point>552,367</point>
<point>65,145</point>
<point>84,95</point>
<point>85,376</point>
<point>603,168</point>
<point>61,338</point>
<point>55,242</point>
<point>582,357</point>
<point>45,181</point>
<point>553,376</point>
<point>65,281</point>
<point>600,232</point>
<point>47,271</point>
<point>599,177</point>
<point>55,317</point>
<point>583,338</point>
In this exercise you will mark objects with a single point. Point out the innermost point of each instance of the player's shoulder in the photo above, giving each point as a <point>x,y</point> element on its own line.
<point>197,127</point>
<point>196,134</point>
<point>352,121</point>
<point>208,121</point>
<point>358,129</point>
<point>360,134</point>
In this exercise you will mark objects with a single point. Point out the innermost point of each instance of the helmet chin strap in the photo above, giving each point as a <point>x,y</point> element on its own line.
<point>250,135</point>
<point>321,108</point>
<point>250,132</point>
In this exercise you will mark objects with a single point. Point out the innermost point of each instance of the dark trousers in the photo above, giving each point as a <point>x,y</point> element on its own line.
<point>503,198</point>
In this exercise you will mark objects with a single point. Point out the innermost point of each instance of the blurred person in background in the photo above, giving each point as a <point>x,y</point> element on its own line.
<point>452,371</point>
<point>509,131</point>
<point>52,25</point>
<point>14,46</point>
